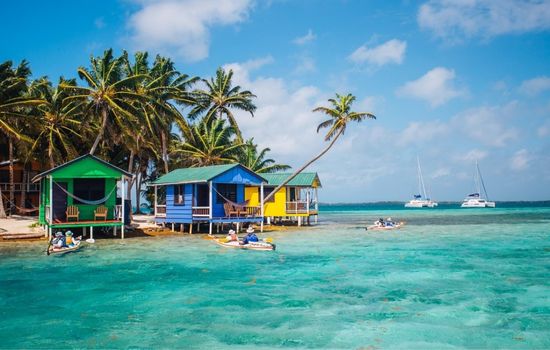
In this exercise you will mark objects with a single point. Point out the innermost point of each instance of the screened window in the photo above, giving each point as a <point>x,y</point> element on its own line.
<point>228,191</point>
<point>179,194</point>
<point>267,191</point>
<point>88,189</point>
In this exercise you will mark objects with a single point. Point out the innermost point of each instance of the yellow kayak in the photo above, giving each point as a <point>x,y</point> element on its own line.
<point>249,245</point>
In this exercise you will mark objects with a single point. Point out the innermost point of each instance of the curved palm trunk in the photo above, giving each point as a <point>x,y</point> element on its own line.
<point>11,205</point>
<point>23,197</point>
<point>50,156</point>
<point>130,169</point>
<point>304,166</point>
<point>104,115</point>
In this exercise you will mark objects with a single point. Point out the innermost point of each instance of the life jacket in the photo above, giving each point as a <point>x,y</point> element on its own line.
<point>252,238</point>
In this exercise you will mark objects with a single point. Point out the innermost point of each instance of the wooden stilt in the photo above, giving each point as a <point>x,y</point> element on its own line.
<point>210,229</point>
<point>114,231</point>
<point>191,228</point>
<point>172,227</point>
<point>91,232</point>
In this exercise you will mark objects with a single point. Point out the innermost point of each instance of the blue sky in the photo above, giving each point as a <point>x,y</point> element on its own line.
<point>450,81</point>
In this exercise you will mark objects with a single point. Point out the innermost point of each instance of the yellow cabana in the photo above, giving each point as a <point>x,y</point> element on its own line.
<point>298,200</point>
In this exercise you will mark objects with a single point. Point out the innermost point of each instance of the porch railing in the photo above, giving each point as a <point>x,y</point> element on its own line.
<point>20,187</point>
<point>297,207</point>
<point>203,212</point>
<point>250,211</point>
<point>160,211</point>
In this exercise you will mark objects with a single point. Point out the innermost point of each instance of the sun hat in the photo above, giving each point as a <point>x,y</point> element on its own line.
<point>250,229</point>
<point>68,233</point>
<point>59,234</point>
<point>231,232</point>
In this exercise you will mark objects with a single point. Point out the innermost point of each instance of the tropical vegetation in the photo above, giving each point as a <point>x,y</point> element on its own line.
<point>146,117</point>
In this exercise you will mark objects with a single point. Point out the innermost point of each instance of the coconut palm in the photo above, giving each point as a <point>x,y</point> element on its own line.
<point>57,121</point>
<point>14,100</point>
<point>212,144</point>
<point>250,158</point>
<point>109,98</point>
<point>220,98</point>
<point>339,116</point>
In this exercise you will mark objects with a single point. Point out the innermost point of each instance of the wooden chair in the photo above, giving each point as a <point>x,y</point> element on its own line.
<point>230,210</point>
<point>72,212</point>
<point>99,212</point>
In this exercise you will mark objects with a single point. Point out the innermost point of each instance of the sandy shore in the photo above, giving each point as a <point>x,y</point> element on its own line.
<point>17,224</point>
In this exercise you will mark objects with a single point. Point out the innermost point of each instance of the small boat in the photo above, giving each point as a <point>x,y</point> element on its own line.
<point>377,226</point>
<point>53,250</point>
<point>421,200</point>
<point>250,245</point>
<point>474,200</point>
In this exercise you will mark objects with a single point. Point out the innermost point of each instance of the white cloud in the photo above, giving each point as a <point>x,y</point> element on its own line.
<point>182,27</point>
<point>455,20</point>
<point>544,130</point>
<point>441,172</point>
<point>306,64</point>
<point>421,132</point>
<point>436,87</point>
<point>520,160</point>
<point>535,86</point>
<point>392,51</point>
<point>488,125</point>
<point>473,155</point>
<point>305,39</point>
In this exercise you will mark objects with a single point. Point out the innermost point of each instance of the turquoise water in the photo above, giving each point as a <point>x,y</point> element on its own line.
<point>450,279</point>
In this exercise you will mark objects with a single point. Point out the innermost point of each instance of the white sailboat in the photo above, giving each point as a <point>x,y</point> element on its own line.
<point>420,200</point>
<point>474,200</point>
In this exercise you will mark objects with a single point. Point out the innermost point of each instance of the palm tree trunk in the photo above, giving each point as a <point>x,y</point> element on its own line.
<point>12,179</point>
<point>50,156</point>
<point>164,151</point>
<point>2,211</point>
<point>101,131</point>
<point>304,166</point>
<point>130,169</point>
<point>138,194</point>
<point>24,188</point>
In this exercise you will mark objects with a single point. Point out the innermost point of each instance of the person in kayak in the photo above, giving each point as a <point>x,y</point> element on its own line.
<point>231,236</point>
<point>59,240</point>
<point>250,236</point>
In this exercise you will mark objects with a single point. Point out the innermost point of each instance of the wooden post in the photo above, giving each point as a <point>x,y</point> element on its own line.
<point>262,206</point>
<point>316,205</point>
<point>51,200</point>
<point>155,200</point>
<point>210,207</point>
<point>123,190</point>
<point>114,231</point>
<point>84,231</point>
<point>172,227</point>
<point>191,228</point>
<point>91,232</point>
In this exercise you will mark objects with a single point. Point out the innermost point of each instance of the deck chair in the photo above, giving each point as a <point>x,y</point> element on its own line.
<point>99,212</point>
<point>72,212</point>
<point>230,210</point>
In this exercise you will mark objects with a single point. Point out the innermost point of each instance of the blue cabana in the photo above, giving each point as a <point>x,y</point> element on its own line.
<point>212,194</point>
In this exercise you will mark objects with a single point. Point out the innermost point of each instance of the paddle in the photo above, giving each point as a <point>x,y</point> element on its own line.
<point>49,244</point>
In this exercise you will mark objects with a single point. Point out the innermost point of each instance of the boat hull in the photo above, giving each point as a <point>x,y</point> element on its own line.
<point>249,246</point>
<point>52,250</point>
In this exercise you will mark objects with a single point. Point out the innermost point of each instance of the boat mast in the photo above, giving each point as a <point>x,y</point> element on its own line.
<point>421,179</point>
<point>482,182</point>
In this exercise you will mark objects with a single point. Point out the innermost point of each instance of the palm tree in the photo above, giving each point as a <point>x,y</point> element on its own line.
<point>212,144</point>
<point>220,97</point>
<point>57,120</point>
<point>13,101</point>
<point>250,158</point>
<point>109,96</point>
<point>339,116</point>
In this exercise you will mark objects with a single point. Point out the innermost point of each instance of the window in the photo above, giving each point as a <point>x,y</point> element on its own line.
<point>179,194</point>
<point>88,189</point>
<point>228,191</point>
<point>267,191</point>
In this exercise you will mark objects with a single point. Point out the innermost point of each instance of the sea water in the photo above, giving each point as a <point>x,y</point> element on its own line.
<point>449,279</point>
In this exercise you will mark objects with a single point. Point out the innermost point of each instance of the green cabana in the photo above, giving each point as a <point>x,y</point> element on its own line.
<point>84,195</point>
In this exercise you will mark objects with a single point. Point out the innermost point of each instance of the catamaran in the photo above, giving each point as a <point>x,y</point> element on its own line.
<point>474,200</point>
<point>420,200</point>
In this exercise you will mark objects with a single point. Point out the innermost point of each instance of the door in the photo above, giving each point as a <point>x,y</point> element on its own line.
<point>201,196</point>
<point>59,202</point>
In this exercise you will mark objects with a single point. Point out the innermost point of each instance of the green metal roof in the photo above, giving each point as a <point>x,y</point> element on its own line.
<point>302,179</point>
<point>202,174</point>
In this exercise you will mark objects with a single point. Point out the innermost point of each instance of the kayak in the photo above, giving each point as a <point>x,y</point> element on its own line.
<point>52,250</point>
<point>376,227</point>
<point>250,245</point>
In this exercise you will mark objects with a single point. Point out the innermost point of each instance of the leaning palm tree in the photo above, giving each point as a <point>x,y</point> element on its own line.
<point>108,97</point>
<point>250,158</point>
<point>212,144</point>
<point>57,121</point>
<point>14,100</point>
<point>220,98</point>
<point>339,116</point>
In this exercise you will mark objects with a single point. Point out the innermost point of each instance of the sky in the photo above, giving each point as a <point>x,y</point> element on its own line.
<point>450,81</point>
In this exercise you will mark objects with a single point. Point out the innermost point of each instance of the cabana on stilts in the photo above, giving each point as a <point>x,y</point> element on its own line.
<point>298,200</point>
<point>82,193</point>
<point>212,194</point>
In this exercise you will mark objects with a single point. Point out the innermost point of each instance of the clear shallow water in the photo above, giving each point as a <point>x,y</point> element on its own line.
<point>450,279</point>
